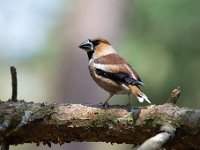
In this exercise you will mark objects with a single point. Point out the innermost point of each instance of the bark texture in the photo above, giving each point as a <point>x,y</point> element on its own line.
<point>23,122</point>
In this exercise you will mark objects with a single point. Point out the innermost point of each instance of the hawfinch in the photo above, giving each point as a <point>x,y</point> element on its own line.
<point>110,71</point>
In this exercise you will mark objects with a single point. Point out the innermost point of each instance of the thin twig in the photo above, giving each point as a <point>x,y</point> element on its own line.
<point>5,144</point>
<point>14,83</point>
<point>174,95</point>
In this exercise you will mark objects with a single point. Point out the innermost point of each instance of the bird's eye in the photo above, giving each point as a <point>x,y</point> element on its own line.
<point>96,42</point>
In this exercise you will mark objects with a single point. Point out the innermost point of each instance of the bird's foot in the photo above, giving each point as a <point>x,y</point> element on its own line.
<point>129,106</point>
<point>105,105</point>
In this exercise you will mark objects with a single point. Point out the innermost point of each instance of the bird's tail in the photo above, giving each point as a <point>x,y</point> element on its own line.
<point>140,96</point>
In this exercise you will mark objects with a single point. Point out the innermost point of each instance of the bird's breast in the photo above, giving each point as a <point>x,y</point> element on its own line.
<point>106,83</point>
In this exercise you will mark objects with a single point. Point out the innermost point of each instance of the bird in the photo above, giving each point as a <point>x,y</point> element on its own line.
<point>112,72</point>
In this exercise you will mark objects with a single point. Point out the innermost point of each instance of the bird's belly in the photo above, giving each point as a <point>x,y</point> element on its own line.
<point>108,84</point>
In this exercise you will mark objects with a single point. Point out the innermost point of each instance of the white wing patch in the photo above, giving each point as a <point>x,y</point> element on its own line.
<point>143,98</point>
<point>104,67</point>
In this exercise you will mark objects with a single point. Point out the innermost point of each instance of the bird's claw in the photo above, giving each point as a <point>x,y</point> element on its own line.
<point>129,106</point>
<point>105,105</point>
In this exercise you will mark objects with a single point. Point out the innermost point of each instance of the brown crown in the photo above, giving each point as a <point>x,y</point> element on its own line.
<point>102,40</point>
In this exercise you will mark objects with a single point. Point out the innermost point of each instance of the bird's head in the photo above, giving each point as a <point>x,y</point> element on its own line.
<point>89,45</point>
<point>98,45</point>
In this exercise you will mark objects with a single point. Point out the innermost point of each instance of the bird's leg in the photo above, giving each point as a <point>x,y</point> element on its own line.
<point>129,101</point>
<point>105,104</point>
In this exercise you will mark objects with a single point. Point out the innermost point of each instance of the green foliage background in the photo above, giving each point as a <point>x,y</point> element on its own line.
<point>162,40</point>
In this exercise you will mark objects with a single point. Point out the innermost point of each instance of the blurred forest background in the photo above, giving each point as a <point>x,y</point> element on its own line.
<point>159,38</point>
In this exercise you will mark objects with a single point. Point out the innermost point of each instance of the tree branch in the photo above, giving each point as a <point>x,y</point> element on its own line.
<point>60,123</point>
<point>156,142</point>
<point>167,131</point>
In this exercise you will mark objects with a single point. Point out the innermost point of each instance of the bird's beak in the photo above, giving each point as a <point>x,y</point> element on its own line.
<point>85,45</point>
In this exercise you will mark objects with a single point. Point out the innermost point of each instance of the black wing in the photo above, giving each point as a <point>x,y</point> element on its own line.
<point>120,77</point>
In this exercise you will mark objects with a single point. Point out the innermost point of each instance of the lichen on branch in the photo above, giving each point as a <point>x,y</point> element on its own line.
<point>60,123</point>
